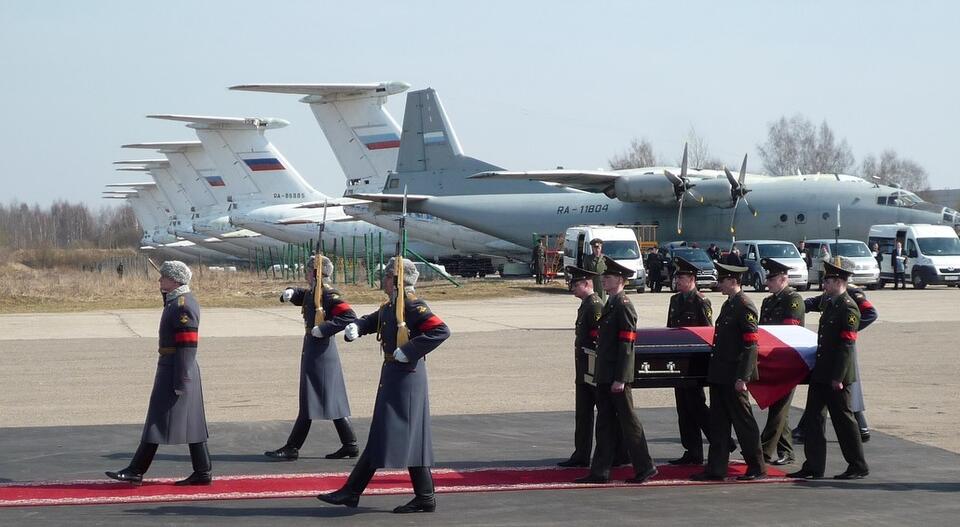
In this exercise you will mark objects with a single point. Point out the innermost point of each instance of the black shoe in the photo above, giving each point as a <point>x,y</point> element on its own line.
<point>345,451</point>
<point>572,462</point>
<point>853,474</point>
<point>590,478</point>
<point>752,476</point>
<point>706,476</point>
<point>643,478</point>
<point>418,504</point>
<point>803,474</point>
<point>197,478</point>
<point>686,459</point>
<point>127,475</point>
<point>341,497</point>
<point>782,460</point>
<point>286,453</point>
<point>864,435</point>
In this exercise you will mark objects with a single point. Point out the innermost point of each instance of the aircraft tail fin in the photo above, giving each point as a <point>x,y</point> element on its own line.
<point>428,141</point>
<point>363,135</point>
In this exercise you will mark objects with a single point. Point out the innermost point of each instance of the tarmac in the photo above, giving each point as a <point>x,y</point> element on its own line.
<point>74,389</point>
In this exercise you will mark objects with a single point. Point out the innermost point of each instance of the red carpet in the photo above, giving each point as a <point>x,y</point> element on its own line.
<point>107,491</point>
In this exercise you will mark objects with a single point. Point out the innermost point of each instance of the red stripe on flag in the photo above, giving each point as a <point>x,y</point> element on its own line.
<point>751,337</point>
<point>628,336</point>
<point>781,369</point>
<point>430,323</point>
<point>791,322</point>
<point>186,337</point>
<point>848,335</point>
<point>340,308</point>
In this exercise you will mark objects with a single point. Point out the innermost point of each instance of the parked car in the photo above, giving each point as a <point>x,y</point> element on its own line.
<point>752,251</point>
<point>706,271</point>
<point>866,272</point>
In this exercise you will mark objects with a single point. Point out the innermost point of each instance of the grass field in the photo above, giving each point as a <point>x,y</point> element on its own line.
<point>27,290</point>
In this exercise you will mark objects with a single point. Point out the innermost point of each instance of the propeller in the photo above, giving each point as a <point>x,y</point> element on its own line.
<point>682,187</point>
<point>738,192</point>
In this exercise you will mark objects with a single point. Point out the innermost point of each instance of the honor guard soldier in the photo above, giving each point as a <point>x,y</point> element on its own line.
<point>868,315</point>
<point>830,382</point>
<point>733,364</point>
<point>784,307</point>
<point>400,427</point>
<point>588,319</point>
<point>613,375</point>
<point>688,307</point>
<point>175,415</point>
<point>323,393</point>
<point>593,262</point>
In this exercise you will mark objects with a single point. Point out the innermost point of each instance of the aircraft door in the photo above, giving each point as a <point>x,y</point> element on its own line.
<point>911,249</point>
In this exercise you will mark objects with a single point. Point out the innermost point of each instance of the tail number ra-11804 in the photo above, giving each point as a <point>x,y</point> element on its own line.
<point>583,209</point>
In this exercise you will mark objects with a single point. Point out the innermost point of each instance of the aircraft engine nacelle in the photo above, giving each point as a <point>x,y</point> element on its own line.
<point>644,188</point>
<point>715,192</point>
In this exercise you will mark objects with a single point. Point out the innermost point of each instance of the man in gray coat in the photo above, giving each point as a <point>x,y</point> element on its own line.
<point>323,393</point>
<point>400,427</point>
<point>175,415</point>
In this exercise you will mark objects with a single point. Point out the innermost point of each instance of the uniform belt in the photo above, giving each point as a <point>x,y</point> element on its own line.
<point>167,351</point>
<point>388,357</point>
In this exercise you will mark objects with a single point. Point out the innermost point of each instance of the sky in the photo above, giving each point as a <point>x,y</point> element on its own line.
<point>527,85</point>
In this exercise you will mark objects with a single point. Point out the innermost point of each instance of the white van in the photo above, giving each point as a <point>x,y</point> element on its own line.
<point>933,252</point>
<point>619,243</point>
<point>865,271</point>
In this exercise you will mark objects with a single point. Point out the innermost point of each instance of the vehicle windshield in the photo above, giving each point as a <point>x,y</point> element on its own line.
<point>692,255</point>
<point>939,246</point>
<point>850,249</point>
<point>621,249</point>
<point>778,250</point>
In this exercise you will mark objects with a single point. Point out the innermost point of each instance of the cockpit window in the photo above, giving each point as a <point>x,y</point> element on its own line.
<point>903,199</point>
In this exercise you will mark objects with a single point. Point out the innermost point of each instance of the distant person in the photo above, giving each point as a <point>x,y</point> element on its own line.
<point>120,270</point>
<point>898,261</point>
<point>714,252</point>
<point>654,266</point>
<point>175,414</point>
<point>593,262</point>
<point>875,251</point>
<point>539,257</point>
<point>733,258</point>
<point>805,253</point>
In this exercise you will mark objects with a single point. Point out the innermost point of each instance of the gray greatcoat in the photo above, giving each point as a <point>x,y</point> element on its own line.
<point>323,393</point>
<point>177,419</point>
<point>400,428</point>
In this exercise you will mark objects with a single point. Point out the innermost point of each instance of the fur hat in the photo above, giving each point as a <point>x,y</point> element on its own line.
<point>176,271</point>
<point>326,266</point>
<point>410,273</point>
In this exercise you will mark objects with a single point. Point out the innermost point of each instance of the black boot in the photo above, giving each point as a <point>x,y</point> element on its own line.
<point>202,466</point>
<point>286,453</point>
<point>138,465</point>
<point>424,500</point>
<point>349,494</point>
<point>347,438</point>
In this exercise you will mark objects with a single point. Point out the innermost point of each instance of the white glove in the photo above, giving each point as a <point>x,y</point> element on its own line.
<point>317,333</point>
<point>287,294</point>
<point>351,332</point>
<point>399,356</point>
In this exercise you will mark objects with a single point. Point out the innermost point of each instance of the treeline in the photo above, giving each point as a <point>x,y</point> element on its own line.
<point>794,145</point>
<point>66,225</point>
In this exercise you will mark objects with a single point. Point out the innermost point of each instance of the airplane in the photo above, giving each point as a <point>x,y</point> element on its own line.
<point>514,206</point>
<point>365,140</point>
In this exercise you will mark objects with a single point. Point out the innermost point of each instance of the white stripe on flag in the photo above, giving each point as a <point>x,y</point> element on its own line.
<point>801,339</point>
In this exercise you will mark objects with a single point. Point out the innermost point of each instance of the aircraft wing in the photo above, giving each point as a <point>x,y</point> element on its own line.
<point>391,198</point>
<point>587,180</point>
<point>312,220</point>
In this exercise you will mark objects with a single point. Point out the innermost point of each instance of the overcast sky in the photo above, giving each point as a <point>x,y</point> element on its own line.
<point>528,85</point>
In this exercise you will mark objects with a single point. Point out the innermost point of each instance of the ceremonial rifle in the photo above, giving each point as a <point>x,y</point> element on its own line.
<point>403,333</point>
<point>318,271</point>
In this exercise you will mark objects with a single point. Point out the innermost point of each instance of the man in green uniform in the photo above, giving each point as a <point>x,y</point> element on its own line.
<point>784,307</point>
<point>830,382</point>
<point>588,318</point>
<point>539,260</point>
<point>613,375</point>
<point>688,307</point>
<point>733,363</point>
<point>593,262</point>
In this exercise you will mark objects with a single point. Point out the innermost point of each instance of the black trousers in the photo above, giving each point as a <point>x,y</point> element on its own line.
<point>820,399</point>
<point>776,438</point>
<point>901,278</point>
<point>362,473</point>
<point>613,408</point>
<point>693,417</point>
<point>586,401</point>
<point>301,427</point>
<point>143,457</point>
<point>730,407</point>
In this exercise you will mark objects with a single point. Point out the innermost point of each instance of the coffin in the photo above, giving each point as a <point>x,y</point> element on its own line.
<point>675,357</point>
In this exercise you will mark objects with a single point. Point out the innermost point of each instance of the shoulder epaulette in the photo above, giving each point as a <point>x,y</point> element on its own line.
<point>181,300</point>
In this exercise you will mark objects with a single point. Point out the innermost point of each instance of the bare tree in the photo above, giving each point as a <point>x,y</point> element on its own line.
<point>891,169</point>
<point>698,152</point>
<point>66,225</point>
<point>639,154</point>
<point>796,145</point>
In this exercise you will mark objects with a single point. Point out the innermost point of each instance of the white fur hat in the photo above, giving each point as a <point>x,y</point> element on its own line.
<point>176,271</point>
<point>410,273</point>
